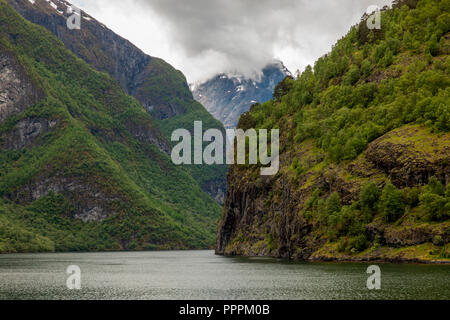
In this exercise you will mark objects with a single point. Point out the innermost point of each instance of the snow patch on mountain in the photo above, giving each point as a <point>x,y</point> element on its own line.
<point>228,95</point>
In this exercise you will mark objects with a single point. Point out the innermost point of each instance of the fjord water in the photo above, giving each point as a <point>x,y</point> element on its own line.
<point>203,275</point>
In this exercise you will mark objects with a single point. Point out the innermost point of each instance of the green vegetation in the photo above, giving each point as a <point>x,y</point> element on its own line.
<point>348,222</point>
<point>435,200</point>
<point>388,90</point>
<point>368,198</point>
<point>43,227</point>
<point>102,145</point>
<point>203,174</point>
<point>365,88</point>
<point>165,86</point>
<point>15,238</point>
<point>391,206</point>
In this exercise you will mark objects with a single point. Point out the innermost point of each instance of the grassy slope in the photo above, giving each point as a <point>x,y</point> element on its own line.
<point>157,204</point>
<point>371,83</point>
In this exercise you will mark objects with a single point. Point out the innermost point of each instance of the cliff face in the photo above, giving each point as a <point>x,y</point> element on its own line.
<point>18,90</point>
<point>226,97</point>
<point>162,90</point>
<point>266,216</point>
<point>364,171</point>
<point>83,166</point>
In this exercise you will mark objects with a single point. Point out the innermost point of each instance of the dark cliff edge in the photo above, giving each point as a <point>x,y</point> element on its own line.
<point>365,151</point>
<point>161,89</point>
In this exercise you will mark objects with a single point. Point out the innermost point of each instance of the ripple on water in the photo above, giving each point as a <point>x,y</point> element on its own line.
<point>203,275</point>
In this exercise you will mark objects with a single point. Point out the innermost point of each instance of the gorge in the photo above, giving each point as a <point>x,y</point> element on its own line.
<point>86,125</point>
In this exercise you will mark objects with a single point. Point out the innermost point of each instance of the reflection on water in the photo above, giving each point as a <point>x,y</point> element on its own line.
<point>203,275</point>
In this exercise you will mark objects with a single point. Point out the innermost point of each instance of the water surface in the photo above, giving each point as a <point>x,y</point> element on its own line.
<point>203,275</point>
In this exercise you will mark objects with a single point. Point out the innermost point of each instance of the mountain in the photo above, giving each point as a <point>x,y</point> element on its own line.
<point>162,90</point>
<point>83,166</point>
<point>365,150</point>
<point>227,96</point>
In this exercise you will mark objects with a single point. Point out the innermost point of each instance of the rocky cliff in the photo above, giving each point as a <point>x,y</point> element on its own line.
<point>18,90</point>
<point>227,96</point>
<point>365,150</point>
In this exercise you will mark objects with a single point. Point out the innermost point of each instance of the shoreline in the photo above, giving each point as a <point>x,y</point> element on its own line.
<point>312,259</point>
<point>362,261</point>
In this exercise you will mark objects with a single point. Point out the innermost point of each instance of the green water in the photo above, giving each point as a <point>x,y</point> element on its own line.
<point>203,275</point>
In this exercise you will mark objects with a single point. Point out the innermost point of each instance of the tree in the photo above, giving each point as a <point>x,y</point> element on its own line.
<point>435,201</point>
<point>333,203</point>
<point>408,40</point>
<point>366,67</point>
<point>283,88</point>
<point>399,3</point>
<point>391,204</point>
<point>432,46</point>
<point>388,58</point>
<point>435,206</point>
<point>435,186</point>
<point>352,76</point>
<point>369,195</point>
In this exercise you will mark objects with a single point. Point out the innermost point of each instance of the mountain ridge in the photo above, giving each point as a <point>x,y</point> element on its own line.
<point>228,95</point>
<point>161,89</point>
<point>83,166</point>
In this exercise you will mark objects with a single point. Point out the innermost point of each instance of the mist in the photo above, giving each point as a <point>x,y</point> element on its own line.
<point>205,37</point>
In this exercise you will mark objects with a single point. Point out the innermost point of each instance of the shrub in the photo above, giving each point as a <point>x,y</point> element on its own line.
<point>358,243</point>
<point>297,168</point>
<point>342,245</point>
<point>438,241</point>
<point>353,245</point>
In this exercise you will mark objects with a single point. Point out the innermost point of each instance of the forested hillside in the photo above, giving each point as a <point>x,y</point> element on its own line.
<point>365,150</point>
<point>160,88</point>
<point>83,166</point>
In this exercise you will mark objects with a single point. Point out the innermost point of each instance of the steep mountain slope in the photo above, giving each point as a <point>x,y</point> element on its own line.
<point>365,150</point>
<point>226,97</point>
<point>162,90</point>
<point>83,166</point>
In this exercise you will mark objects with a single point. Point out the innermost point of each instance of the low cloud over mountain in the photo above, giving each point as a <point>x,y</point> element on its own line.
<point>204,38</point>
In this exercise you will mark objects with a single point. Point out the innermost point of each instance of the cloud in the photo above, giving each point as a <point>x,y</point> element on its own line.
<point>205,37</point>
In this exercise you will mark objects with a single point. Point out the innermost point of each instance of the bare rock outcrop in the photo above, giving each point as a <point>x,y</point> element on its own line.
<point>17,90</point>
<point>410,156</point>
<point>89,202</point>
<point>26,132</point>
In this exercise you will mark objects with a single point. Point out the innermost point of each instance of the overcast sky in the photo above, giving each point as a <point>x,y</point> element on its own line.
<point>205,37</point>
